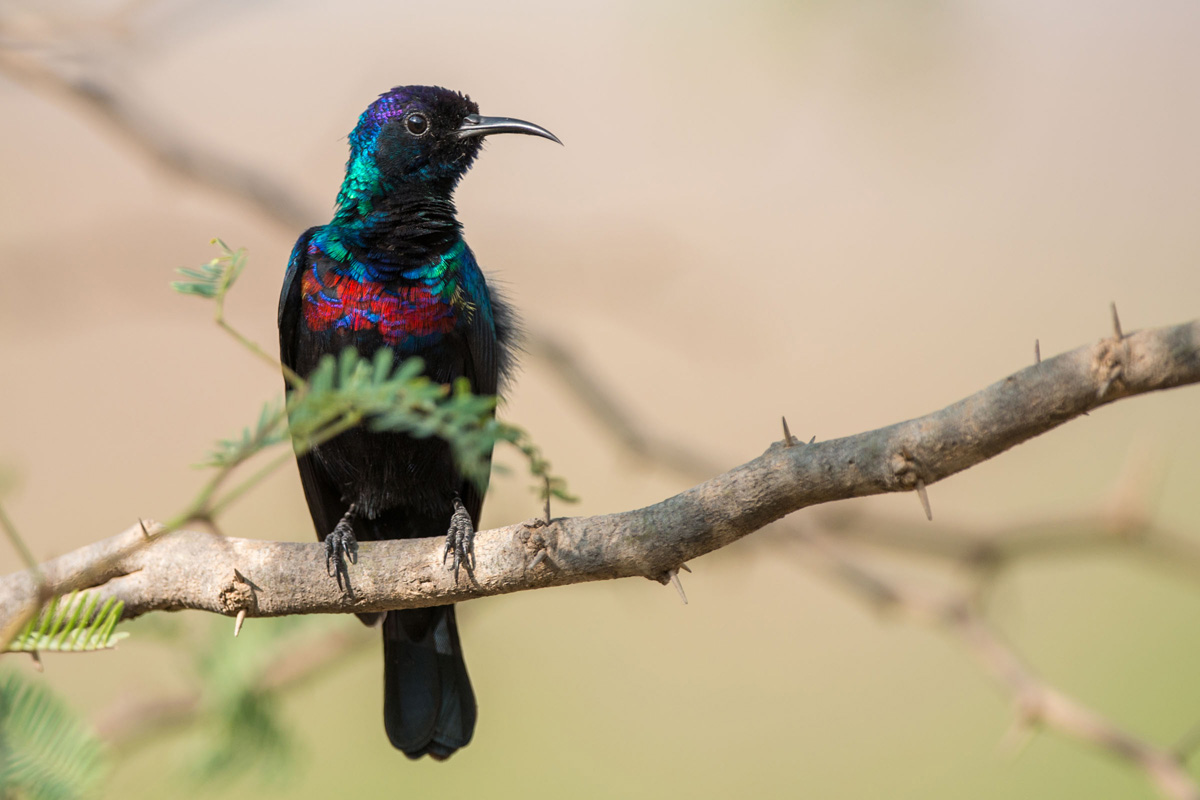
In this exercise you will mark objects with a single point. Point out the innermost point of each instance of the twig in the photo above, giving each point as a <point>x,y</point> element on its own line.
<point>18,543</point>
<point>152,138</point>
<point>14,623</point>
<point>1036,702</point>
<point>604,406</point>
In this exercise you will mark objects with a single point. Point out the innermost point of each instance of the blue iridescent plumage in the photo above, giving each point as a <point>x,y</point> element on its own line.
<point>408,311</point>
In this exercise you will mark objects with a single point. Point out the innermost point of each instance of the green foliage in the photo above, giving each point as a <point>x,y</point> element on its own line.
<point>552,485</point>
<point>214,279</point>
<point>240,725</point>
<point>46,753</point>
<point>244,735</point>
<point>271,429</point>
<point>239,721</point>
<point>345,391</point>
<point>71,624</point>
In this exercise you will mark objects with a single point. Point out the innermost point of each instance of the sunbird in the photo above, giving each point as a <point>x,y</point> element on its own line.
<point>392,270</point>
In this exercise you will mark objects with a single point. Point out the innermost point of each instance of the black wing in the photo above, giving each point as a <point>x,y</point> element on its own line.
<point>325,501</point>
<point>488,339</point>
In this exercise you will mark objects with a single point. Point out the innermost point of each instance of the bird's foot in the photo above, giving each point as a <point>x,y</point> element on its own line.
<point>460,540</point>
<point>341,546</point>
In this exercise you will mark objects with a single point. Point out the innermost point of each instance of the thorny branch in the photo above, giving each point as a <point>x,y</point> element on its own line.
<point>256,578</point>
<point>155,141</point>
<point>273,578</point>
<point>1036,701</point>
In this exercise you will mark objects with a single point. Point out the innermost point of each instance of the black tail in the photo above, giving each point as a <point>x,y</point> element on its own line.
<point>428,705</point>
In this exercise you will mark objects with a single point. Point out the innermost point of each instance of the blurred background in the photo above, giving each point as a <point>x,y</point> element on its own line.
<point>849,213</point>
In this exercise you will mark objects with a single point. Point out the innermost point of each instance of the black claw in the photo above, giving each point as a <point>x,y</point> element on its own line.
<point>341,546</point>
<point>460,540</point>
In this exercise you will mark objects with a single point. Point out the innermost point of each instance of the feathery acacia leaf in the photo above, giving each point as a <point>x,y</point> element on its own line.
<point>348,390</point>
<point>242,725</point>
<point>271,429</point>
<point>71,624</point>
<point>46,752</point>
<point>214,279</point>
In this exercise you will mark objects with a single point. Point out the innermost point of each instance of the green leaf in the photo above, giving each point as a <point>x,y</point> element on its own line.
<point>71,624</point>
<point>46,752</point>
<point>271,429</point>
<point>214,279</point>
<point>241,725</point>
<point>344,391</point>
<point>384,359</point>
<point>245,734</point>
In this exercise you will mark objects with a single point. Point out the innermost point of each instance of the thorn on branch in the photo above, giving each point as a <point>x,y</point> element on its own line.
<point>537,559</point>
<point>673,574</point>
<point>547,487</point>
<point>1037,351</point>
<point>237,597</point>
<point>1112,356</point>
<point>788,439</point>
<point>924,495</point>
<point>1114,372</point>
<point>908,472</point>
<point>37,661</point>
<point>537,545</point>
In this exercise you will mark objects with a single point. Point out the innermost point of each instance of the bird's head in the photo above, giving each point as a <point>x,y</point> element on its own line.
<point>419,138</point>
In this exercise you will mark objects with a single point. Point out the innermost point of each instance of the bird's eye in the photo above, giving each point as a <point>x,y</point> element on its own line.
<point>417,124</point>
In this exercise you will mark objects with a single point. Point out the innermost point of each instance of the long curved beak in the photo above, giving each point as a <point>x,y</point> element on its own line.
<point>475,125</point>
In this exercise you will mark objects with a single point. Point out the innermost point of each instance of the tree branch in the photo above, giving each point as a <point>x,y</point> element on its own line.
<point>189,569</point>
<point>1037,703</point>
<point>153,140</point>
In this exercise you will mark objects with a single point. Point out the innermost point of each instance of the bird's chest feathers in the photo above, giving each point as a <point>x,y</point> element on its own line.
<point>405,308</point>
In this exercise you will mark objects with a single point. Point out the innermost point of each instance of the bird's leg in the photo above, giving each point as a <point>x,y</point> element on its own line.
<point>341,546</point>
<point>460,540</point>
